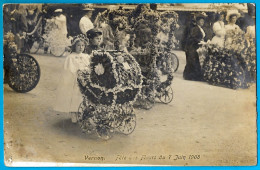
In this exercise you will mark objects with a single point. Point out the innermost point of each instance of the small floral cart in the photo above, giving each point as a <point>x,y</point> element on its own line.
<point>109,90</point>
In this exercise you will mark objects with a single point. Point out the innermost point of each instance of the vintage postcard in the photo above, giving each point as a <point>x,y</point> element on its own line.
<point>130,84</point>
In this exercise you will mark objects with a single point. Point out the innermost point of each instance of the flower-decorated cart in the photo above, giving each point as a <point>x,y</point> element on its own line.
<point>232,66</point>
<point>137,32</point>
<point>151,47</point>
<point>110,88</point>
<point>21,71</point>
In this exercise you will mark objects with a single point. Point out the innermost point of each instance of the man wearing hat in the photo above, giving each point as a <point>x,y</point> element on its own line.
<point>95,39</point>
<point>192,69</point>
<point>85,23</point>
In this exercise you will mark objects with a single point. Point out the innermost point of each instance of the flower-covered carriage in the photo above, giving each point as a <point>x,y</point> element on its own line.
<point>132,75</point>
<point>110,88</point>
<point>151,47</point>
<point>232,66</point>
<point>21,71</point>
<point>139,32</point>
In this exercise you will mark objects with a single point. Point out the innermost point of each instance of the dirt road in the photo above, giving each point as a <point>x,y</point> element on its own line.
<point>203,125</point>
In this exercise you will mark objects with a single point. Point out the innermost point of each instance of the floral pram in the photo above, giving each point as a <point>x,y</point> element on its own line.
<point>137,32</point>
<point>233,66</point>
<point>109,90</point>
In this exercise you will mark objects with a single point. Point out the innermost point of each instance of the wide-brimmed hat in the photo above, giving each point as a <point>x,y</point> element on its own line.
<point>201,15</point>
<point>232,12</point>
<point>88,7</point>
<point>58,10</point>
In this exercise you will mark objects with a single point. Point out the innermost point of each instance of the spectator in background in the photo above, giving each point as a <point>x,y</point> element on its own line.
<point>19,27</point>
<point>207,27</point>
<point>187,30</point>
<point>192,69</point>
<point>219,30</point>
<point>7,23</point>
<point>61,21</point>
<point>108,36</point>
<point>85,23</point>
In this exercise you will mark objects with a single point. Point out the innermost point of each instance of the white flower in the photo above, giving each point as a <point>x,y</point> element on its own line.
<point>120,59</point>
<point>99,69</point>
<point>126,66</point>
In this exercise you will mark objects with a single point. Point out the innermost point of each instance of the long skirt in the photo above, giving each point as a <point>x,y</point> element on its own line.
<point>68,96</point>
<point>192,69</point>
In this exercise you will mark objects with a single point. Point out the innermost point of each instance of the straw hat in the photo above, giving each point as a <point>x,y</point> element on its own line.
<point>88,7</point>
<point>201,15</point>
<point>58,10</point>
<point>232,12</point>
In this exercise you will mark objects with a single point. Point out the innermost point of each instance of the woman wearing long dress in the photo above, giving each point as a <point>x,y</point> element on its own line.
<point>192,69</point>
<point>219,30</point>
<point>231,27</point>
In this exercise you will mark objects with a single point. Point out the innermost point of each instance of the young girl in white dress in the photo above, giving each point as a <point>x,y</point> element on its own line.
<point>68,93</point>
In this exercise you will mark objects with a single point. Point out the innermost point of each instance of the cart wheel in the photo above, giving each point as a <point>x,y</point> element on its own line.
<point>103,132</point>
<point>148,103</point>
<point>57,51</point>
<point>24,73</point>
<point>128,124</point>
<point>36,46</point>
<point>175,61</point>
<point>166,95</point>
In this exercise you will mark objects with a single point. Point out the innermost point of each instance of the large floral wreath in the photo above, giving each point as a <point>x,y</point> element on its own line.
<point>115,78</point>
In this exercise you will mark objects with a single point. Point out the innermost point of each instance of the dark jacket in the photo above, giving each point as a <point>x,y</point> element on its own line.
<point>194,38</point>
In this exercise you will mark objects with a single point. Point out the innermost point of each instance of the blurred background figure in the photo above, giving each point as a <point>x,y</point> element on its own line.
<point>108,36</point>
<point>60,20</point>
<point>85,22</point>
<point>219,30</point>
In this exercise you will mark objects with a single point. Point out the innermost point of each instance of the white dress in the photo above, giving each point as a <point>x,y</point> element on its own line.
<point>220,32</point>
<point>61,22</point>
<point>85,24</point>
<point>68,96</point>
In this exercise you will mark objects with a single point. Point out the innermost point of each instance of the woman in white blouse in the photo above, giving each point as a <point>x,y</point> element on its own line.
<point>219,30</point>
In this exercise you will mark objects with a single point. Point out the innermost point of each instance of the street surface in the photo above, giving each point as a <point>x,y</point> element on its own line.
<point>203,125</point>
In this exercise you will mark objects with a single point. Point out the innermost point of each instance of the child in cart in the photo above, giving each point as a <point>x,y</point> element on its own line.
<point>95,37</point>
<point>68,93</point>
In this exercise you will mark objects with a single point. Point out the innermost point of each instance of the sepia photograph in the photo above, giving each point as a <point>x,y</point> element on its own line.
<point>151,84</point>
